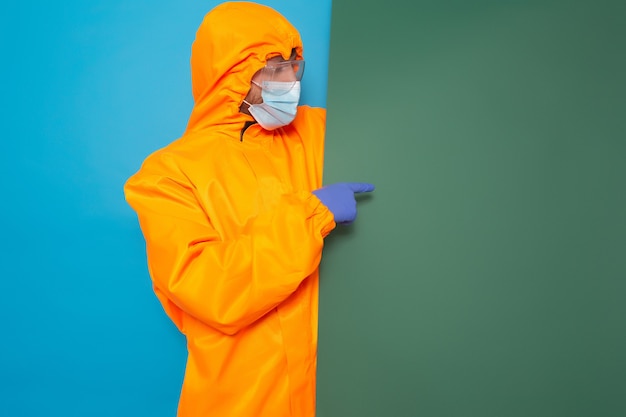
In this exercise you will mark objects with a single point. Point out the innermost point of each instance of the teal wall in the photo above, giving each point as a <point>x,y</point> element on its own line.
<point>486,275</point>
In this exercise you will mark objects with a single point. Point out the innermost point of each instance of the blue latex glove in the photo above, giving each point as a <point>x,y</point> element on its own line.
<point>339,198</point>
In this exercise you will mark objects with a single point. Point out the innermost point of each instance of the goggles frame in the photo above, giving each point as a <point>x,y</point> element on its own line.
<point>280,76</point>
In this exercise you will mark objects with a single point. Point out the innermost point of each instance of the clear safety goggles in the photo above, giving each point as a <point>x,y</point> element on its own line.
<point>280,76</point>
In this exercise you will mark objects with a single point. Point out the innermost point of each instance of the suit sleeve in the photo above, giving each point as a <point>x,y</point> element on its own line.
<point>227,284</point>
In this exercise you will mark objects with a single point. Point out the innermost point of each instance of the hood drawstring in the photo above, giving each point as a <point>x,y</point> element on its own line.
<point>245,127</point>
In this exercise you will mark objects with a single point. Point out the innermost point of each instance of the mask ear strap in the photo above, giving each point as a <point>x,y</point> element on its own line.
<point>250,107</point>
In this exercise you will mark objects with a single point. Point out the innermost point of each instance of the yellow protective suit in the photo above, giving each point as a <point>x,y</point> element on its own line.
<point>234,235</point>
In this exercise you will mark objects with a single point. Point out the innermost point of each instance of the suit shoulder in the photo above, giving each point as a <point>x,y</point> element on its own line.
<point>313,112</point>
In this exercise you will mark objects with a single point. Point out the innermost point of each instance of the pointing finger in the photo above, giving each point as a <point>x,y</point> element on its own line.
<point>361,187</point>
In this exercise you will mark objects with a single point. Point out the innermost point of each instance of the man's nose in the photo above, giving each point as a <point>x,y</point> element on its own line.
<point>288,75</point>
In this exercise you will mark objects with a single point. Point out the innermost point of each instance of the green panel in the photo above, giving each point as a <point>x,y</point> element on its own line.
<point>486,275</point>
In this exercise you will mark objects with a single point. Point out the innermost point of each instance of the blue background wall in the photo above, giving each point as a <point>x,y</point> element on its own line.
<point>88,90</point>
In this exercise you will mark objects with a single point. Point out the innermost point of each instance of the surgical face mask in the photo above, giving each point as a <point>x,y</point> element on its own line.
<point>280,104</point>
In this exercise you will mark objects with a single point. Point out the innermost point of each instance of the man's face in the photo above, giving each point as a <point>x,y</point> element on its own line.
<point>277,69</point>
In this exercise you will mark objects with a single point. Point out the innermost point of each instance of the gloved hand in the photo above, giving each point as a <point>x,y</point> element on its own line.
<point>339,198</point>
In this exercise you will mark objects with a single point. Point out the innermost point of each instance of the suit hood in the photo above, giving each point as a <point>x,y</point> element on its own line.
<point>233,42</point>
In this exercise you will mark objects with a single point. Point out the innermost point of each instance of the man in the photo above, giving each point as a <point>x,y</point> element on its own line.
<point>234,218</point>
